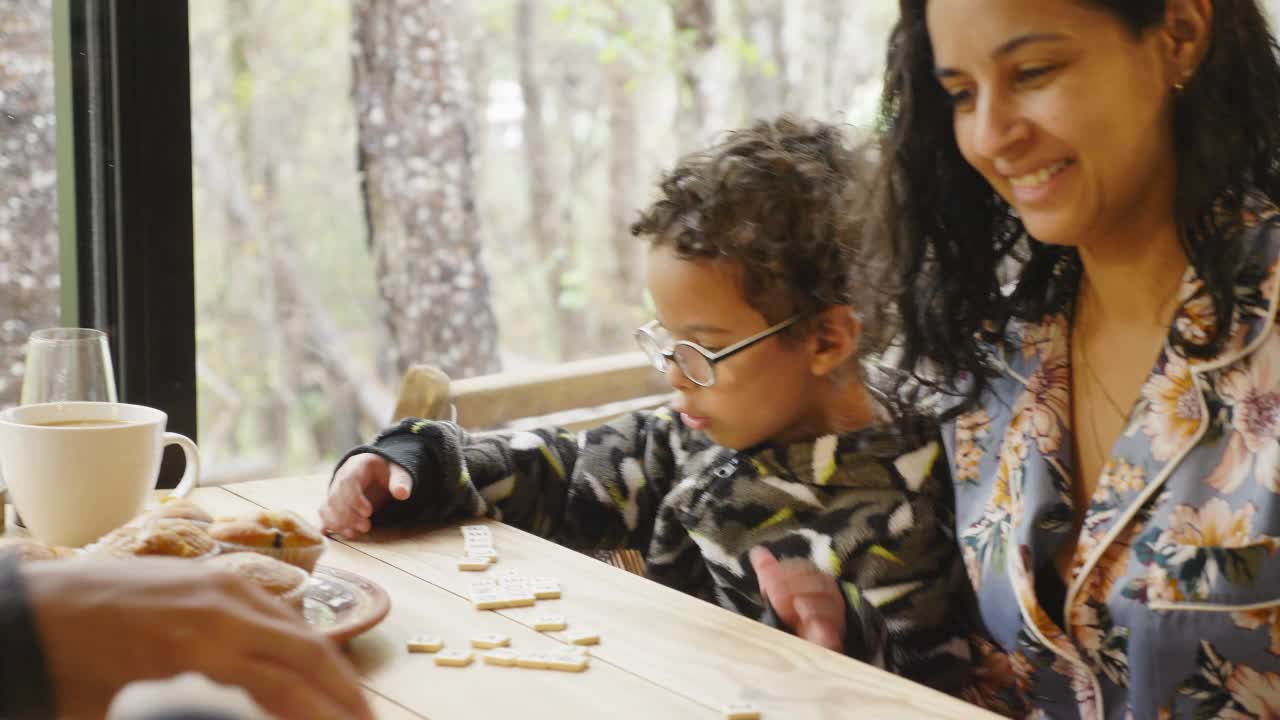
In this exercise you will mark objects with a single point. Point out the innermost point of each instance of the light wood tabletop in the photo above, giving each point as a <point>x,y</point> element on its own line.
<point>663,654</point>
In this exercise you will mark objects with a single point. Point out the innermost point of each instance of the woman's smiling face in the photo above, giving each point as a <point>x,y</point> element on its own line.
<point>1063,109</point>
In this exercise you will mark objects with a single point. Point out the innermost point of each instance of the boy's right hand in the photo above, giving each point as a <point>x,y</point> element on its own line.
<point>364,484</point>
<point>807,600</point>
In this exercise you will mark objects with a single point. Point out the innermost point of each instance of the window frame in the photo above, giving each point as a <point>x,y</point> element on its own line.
<point>123,108</point>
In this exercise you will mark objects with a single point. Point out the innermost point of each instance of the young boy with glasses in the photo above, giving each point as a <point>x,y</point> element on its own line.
<point>773,455</point>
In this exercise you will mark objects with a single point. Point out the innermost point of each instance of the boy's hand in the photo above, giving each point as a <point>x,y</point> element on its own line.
<point>805,598</point>
<point>364,484</point>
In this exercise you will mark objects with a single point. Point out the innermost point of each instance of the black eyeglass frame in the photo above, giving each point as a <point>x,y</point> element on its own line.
<point>663,359</point>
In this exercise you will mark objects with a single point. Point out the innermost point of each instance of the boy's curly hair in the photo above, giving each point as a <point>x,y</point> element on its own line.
<point>776,198</point>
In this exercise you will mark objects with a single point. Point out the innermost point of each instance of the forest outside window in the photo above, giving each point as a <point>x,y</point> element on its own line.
<point>29,274</point>
<point>381,182</point>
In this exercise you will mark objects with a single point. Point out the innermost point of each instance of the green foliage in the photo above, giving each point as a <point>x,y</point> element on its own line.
<point>752,59</point>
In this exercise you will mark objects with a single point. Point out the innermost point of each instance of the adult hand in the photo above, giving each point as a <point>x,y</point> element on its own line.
<point>806,599</point>
<point>364,484</point>
<point>105,624</point>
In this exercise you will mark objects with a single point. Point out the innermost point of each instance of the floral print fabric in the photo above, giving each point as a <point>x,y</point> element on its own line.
<point>1173,605</point>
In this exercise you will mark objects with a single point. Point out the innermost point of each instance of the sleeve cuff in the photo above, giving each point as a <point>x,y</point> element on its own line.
<point>431,452</point>
<point>401,451</point>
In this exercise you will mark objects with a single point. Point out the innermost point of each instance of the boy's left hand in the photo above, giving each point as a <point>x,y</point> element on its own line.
<point>806,599</point>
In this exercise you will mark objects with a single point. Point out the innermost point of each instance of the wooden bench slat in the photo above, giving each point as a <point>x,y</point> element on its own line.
<point>576,396</point>
<point>491,400</point>
<point>584,418</point>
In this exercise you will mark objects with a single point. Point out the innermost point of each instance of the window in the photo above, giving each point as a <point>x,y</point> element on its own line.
<point>29,275</point>
<point>380,184</point>
<point>109,246</point>
<point>470,214</point>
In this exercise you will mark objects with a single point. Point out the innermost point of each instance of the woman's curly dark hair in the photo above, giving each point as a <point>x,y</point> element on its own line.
<point>775,198</point>
<point>951,235</point>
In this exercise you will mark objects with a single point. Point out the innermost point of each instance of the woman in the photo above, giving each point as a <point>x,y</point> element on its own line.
<point>1089,267</point>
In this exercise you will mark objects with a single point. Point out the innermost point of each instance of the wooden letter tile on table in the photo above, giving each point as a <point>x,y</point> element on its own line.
<point>413,682</point>
<point>683,649</point>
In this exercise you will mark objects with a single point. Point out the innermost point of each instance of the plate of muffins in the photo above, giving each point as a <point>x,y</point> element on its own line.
<point>276,550</point>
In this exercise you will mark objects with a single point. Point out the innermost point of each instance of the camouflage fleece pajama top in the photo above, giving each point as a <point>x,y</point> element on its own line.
<point>872,507</point>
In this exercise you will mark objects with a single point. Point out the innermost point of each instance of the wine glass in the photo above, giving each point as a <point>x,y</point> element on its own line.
<point>65,364</point>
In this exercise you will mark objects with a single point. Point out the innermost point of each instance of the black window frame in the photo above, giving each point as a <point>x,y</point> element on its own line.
<point>126,216</point>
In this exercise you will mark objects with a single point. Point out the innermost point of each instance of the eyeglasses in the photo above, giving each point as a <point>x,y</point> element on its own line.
<point>696,362</point>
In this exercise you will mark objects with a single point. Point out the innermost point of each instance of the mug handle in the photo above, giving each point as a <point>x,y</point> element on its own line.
<point>191,475</point>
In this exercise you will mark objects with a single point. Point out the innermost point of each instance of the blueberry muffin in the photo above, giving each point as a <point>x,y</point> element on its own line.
<point>29,550</point>
<point>282,535</point>
<point>170,538</point>
<point>175,509</point>
<point>285,581</point>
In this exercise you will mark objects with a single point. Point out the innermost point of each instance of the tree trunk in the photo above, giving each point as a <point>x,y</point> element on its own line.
<point>29,273</point>
<point>622,174</point>
<point>832,60</point>
<point>317,331</point>
<point>764,90</point>
<point>414,150</point>
<point>297,349</point>
<point>276,332</point>
<point>695,37</point>
<point>859,58</point>
<point>554,250</point>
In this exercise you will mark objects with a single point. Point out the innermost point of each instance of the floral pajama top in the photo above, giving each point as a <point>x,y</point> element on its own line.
<point>1173,605</point>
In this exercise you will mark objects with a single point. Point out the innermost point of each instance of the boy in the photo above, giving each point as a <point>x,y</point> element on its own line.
<point>772,441</point>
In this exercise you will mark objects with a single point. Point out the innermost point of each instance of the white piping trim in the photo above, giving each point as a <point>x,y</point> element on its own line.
<point>1161,478</point>
<point>1137,505</point>
<point>1167,470</point>
<point>1057,466</point>
<point>1000,361</point>
<point>1152,488</point>
<point>1194,370</point>
<point>1165,605</point>
<point>1015,496</point>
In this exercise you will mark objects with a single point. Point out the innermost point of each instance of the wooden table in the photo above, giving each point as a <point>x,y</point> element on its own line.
<point>663,654</point>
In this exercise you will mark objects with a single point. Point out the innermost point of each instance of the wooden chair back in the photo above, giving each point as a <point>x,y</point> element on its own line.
<point>585,393</point>
<point>575,395</point>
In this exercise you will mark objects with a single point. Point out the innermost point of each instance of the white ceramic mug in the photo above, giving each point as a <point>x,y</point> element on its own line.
<point>77,470</point>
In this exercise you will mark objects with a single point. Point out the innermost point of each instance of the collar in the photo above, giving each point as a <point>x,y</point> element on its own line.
<point>857,458</point>
<point>1256,289</point>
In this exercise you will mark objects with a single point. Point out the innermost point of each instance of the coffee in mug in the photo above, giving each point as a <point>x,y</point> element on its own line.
<point>77,470</point>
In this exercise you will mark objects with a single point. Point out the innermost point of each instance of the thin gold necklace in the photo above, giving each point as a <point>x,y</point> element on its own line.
<point>1103,455</point>
<point>1093,420</point>
<point>1088,367</point>
<point>1084,349</point>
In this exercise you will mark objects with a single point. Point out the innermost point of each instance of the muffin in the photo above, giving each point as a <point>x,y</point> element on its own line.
<point>29,550</point>
<point>282,535</point>
<point>174,509</point>
<point>172,538</point>
<point>278,578</point>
